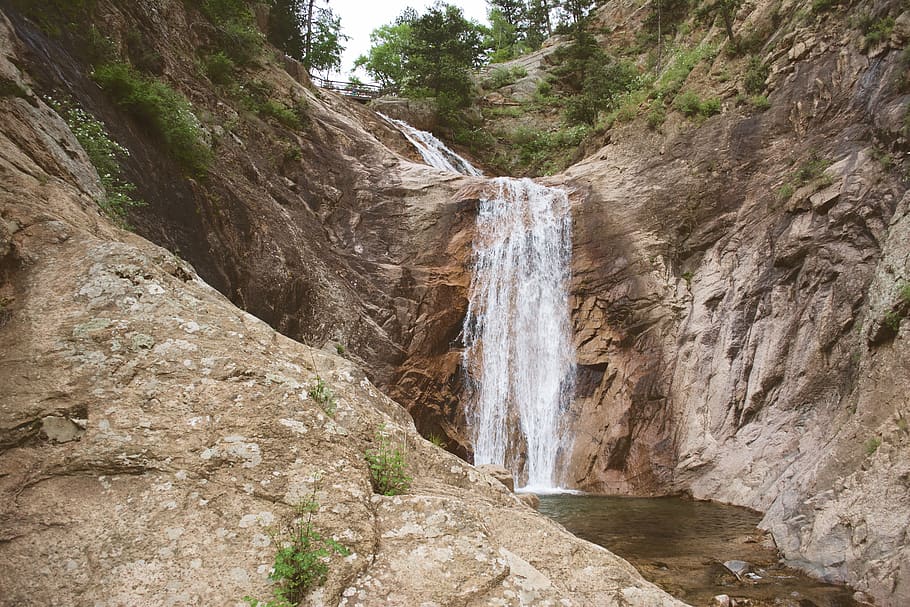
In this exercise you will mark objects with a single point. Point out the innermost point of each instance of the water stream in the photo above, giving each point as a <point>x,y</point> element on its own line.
<point>518,359</point>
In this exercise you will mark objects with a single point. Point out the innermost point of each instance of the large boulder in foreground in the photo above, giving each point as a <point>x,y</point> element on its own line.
<point>151,435</point>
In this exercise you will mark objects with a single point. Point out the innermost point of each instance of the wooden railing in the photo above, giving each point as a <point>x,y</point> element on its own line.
<point>355,90</point>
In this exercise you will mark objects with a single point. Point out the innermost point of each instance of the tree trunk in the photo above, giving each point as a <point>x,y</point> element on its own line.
<point>728,23</point>
<point>308,41</point>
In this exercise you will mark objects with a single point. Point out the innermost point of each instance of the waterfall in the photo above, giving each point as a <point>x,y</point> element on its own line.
<point>517,331</point>
<point>434,152</point>
<point>519,359</point>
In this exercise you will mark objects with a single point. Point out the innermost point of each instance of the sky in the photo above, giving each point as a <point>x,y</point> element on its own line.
<point>359,18</point>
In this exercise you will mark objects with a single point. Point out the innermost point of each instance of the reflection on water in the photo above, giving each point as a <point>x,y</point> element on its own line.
<point>681,546</point>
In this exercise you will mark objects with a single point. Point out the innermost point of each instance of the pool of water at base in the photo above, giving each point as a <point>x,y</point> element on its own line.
<point>681,544</point>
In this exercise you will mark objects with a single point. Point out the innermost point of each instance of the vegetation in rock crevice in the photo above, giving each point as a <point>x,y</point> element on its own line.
<point>387,465</point>
<point>105,155</point>
<point>303,556</point>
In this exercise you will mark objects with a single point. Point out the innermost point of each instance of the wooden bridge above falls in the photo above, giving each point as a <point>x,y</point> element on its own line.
<point>357,91</point>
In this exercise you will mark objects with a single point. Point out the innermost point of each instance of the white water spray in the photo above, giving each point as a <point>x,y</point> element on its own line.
<point>434,152</point>
<point>517,331</point>
<point>519,357</point>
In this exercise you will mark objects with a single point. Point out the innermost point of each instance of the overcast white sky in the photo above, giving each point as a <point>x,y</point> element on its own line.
<point>359,18</point>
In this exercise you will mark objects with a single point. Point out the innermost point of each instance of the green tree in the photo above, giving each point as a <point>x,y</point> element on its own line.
<point>385,60</point>
<point>286,27</point>
<point>575,12</point>
<point>307,32</point>
<point>325,45</point>
<point>538,25</point>
<point>443,48</point>
<point>502,37</point>
<point>514,11</point>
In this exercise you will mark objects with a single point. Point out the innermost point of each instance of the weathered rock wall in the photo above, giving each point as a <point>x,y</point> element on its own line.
<point>734,338</point>
<point>151,433</point>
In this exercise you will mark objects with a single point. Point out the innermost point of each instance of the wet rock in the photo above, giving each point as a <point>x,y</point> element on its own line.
<point>530,499</point>
<point>737,568</point>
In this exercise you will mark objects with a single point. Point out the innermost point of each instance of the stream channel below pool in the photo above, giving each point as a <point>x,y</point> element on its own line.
<point>681,545</point>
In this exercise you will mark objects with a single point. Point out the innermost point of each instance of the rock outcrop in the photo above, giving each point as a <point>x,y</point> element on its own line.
<point>740,324</point>
<point>745,340</point>
<point>152,433</point>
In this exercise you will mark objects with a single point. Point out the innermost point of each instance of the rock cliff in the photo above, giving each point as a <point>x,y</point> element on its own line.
<point>152,433</point>
<point>739,296</point>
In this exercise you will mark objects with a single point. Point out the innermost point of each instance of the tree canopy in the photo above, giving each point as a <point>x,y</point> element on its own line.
<point>307,32</point>
<point>428,55</point>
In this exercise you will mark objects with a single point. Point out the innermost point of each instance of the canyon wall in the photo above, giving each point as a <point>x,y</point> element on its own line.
<point>741,325</point>
<point>154,438</point>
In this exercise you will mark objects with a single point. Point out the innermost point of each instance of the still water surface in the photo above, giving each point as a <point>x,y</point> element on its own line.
<point>681,545</point>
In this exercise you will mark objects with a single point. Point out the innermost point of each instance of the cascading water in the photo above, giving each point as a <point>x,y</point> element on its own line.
<point>518,356</point>
<point>433,151</point>
<point>517,330</point>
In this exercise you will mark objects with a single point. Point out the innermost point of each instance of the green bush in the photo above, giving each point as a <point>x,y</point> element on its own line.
<point>657,115</point>
<point>820,6</point>
<point>219,68</point>
<point>164,112</point>
<point>301,562</point>
<point>387,467</point>
<point>501,77</point>
<point>105,155</point>
<point>280,112</point>
<point>690,104</point>
<point>756,74</point>
<point>872,445</point>
<point>877,31</point>
<point>760,102</point>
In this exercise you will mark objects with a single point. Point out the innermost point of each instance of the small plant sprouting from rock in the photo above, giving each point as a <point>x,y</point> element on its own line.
<point>301,562</point>
<point>387,466</point>
<point>323,395</point>
<point>872,445</point>
<point>340,349</point>
<point>812,170</point>
<point>437,440</point>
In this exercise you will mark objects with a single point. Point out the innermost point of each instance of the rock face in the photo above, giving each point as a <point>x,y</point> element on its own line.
<point>747,342</point>
<point>734,341</point>
<point>152,434</point>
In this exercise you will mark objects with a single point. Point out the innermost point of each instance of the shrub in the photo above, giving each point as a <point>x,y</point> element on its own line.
<point>872,445</point>
<point>301,561</point>
<point>820,6</point>
<point>876,31</point>
<point>690,104</point>
<point>387,467</point>
<point>322,394</point>
<point>280,112</point>
<point>104,154</point>
<point>219,68</point>
<point>501,77</point>
<point>164,112</point>
<point>760,102</point>
<point>756,74</point>
<point>657,115</point>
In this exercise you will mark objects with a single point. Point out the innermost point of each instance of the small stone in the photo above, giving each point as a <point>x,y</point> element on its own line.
<point>737,568</point>
<point>530,499</point>
<point>60,429</point>
<point>499,473</point>
<point>722,600</point>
